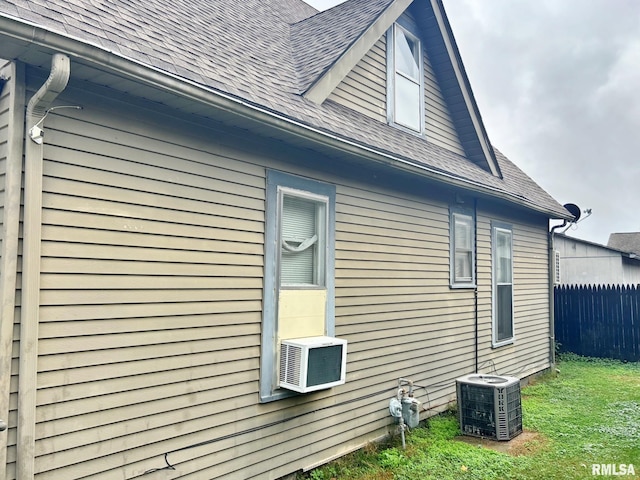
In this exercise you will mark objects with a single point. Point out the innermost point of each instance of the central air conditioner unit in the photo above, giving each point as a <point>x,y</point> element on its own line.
<point>312,363</point>
<point>489,406</point>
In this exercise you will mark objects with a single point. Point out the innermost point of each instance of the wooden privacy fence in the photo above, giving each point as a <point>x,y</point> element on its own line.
<point>599,321</point>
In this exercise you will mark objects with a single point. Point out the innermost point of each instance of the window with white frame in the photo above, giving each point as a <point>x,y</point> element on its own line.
<point>462,245</point>
<point>502,291</point>
<point>405,77</point>
<point>298,292</point>
<point>303,234</point>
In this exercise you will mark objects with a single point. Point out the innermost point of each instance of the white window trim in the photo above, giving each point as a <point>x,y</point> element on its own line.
<point>495,227</point>
<point>322,271</point>
<point>391,76</point>
<point>461,213</point>
<point>277,182</point>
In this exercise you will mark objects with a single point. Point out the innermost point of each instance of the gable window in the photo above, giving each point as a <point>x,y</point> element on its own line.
<point>299,270</point>
<point>502,291</point>
<point>405,78</point>
<point>462,242</point>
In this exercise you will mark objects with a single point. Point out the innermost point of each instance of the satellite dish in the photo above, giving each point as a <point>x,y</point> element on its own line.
<point>573,210</point>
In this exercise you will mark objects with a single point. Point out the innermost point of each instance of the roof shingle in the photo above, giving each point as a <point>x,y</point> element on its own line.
<point>627,242</point>
<point>318,41</point>
<point>265,52</point>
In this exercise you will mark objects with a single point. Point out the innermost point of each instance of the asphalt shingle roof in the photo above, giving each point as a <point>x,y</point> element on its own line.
<point>265,52</point>
<point>318,41</point>
<point>627,242</point>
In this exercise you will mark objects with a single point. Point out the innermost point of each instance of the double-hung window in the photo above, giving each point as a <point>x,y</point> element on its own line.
<point>462,249</point>
<point>405,78</point>
<point>502,291</point>
<point>299,269</point>
<point>303,238</point>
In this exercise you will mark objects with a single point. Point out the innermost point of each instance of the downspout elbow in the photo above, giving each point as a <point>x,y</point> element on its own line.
<point>39,104</point>
<point>54,85</point>
<point>553,229</point>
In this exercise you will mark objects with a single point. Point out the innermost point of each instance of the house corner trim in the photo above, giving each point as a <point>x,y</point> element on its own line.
<point>10,239</point>
<point>30,316</point>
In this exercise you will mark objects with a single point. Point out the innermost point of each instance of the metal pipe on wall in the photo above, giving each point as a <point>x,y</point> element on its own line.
<point>30,308</point>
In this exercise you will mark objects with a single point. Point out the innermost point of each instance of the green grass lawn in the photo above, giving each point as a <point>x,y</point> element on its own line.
<point>587,414</point>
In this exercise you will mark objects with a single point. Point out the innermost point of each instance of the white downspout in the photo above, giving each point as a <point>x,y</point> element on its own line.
<point>30,315</point>
<point>10,234</point>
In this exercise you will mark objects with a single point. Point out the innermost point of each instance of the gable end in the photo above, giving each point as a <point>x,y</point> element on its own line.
<point>445,65</point>
<point>335,73</point>
<point>451,75</point>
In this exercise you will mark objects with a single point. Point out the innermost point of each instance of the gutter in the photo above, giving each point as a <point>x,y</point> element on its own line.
<point>94,54</point>
<point>10,242</point>
<point>30,307</point>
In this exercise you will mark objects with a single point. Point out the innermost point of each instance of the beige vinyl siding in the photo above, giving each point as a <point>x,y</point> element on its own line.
<point>530,352</point>
<point>151,295</point>
<point>151,303</point>
<point>392,296</point>
<point>364,90</point>
<point>439,128</point>
<point>151,308</point>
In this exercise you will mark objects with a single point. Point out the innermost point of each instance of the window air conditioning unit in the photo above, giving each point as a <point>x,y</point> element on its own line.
<point>489,406</point>
<point>313,363</point>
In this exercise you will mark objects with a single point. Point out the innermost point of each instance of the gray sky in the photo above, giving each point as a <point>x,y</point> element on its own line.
<point>558,86</point>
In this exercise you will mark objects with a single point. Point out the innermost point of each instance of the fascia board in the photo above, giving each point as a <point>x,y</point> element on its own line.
<point>331,78</point>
